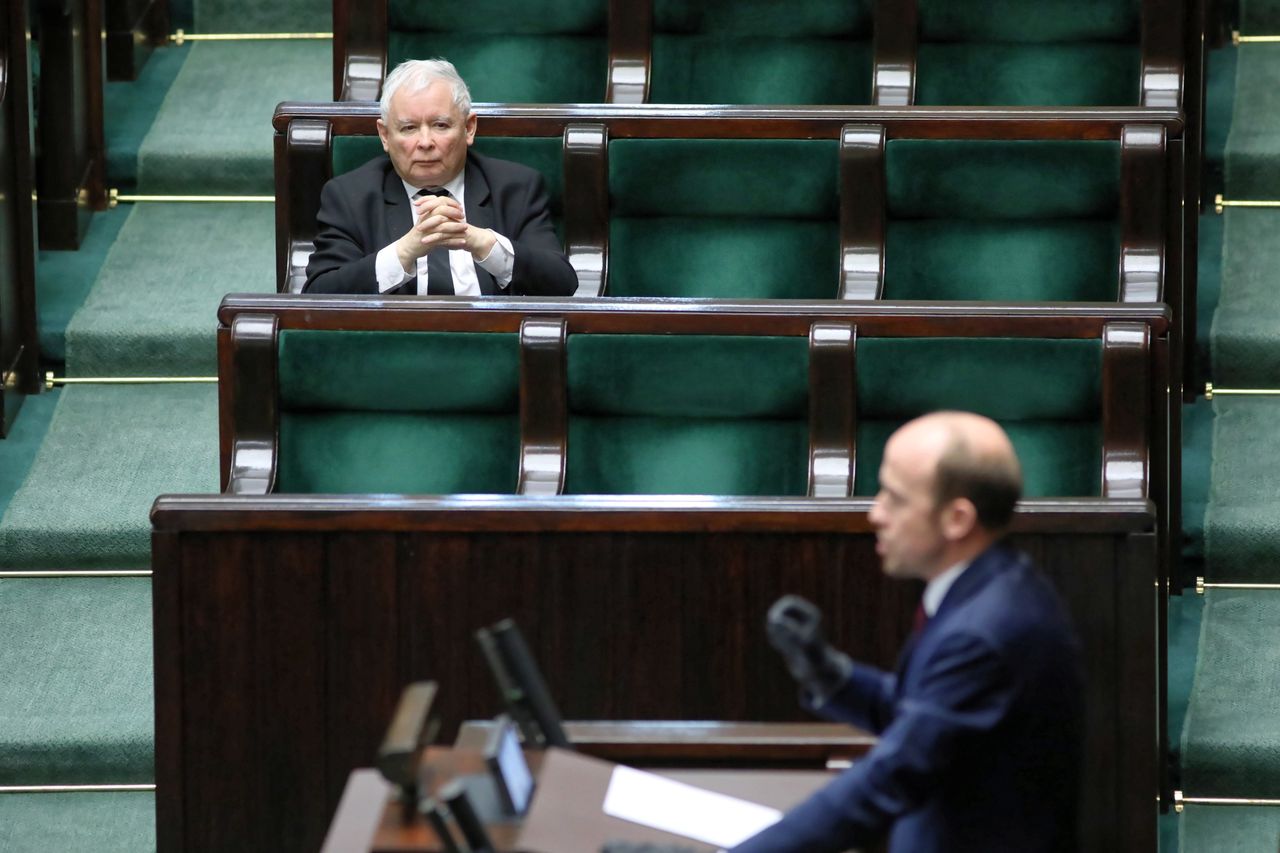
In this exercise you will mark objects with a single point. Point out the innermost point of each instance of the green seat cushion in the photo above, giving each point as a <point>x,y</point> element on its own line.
<point>1018,21</point>
<point>540,154</point>
<point>761,52</point>
<point>542,51</point>
<point>116,822</point>
<point>1002,220</point>
<point>687,414</point>
<point>76,702</point>
<point>723,218</point>
<point>424,413</point>
<point>1051,75</point>
<point>1046,393</point>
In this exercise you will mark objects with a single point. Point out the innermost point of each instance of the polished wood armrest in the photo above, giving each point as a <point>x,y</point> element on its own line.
<point>833,414</point>
<point>893,80</point>
<point>544,407</point>
<point>862,211</point>
<point>630,51</point>
<point>359,49</point>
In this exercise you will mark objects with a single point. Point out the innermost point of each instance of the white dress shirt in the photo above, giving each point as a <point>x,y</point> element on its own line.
<point>500,262</point>
<point>937,589</point>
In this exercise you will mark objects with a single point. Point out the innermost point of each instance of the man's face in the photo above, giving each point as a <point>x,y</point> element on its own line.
<point>426,136</point>
<point>909,533</point>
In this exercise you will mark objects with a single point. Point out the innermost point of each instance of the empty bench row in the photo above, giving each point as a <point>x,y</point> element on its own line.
<point>929,52</point>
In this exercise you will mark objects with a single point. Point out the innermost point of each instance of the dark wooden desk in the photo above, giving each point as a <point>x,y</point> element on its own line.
<point>371,818</point>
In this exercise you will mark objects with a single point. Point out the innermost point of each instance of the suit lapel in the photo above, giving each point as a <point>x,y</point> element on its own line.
<point>398,219</point>
<point>479,211</point>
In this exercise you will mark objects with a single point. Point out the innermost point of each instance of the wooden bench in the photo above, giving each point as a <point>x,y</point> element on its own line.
<point>286,626</point>
<point>19,347</point>
<point>133,29</point>
<point>71,167</point>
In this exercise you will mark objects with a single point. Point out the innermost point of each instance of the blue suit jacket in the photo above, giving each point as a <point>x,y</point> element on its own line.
<point>367,208</point>
<point>980,730</point>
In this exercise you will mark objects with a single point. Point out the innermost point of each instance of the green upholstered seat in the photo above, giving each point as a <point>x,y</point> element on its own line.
<point>417,413</point>
<point>76,701</point>
<point>654,414</point>
<point>1001,220</point>
<point>742,219</point>
<point>538,51</point>
<point>761,52</point>
<point>541,154</point>
<point>1017,53</point>
<point>1046,394</point>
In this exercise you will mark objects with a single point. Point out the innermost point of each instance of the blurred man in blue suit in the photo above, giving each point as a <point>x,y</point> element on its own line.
<point>981,724</point>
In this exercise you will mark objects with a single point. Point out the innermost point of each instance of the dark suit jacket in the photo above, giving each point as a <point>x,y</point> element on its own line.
<point>980,730</point>
<point>367,209</point>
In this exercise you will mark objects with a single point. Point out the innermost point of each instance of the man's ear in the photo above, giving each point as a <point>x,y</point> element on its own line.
<point>959,518</point>
<point>382,133</point>
<point>470,125</point>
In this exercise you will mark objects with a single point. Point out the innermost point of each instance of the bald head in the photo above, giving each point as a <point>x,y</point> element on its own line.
<point>948,485</point>
<point>970,457</point>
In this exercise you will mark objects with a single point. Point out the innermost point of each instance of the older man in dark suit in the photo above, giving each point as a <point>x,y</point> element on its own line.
<point>981,724</point>
<point>432,217</point>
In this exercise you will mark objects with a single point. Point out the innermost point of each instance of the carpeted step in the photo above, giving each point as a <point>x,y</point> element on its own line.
<point>78,823</point>
<point>1186,617</point>
<point>130,107</point>
<point>18,449</point>
<point>213,133</point>
<point>109,451</point>
<point>1231,741</point>
<point>282,16</point>
<point>1252,164</point>
<point>64,279</point>
<point>76,704</point>
<point>153,309</point>
<point>1242,520</point>
<point>1229,829</point>
<point>1245,341</point>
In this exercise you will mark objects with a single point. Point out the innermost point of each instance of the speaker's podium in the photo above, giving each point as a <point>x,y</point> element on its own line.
<point>567,813</point>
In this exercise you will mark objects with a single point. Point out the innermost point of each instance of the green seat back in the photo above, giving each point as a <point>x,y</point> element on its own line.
<point>1018,53</point>
<point>761,52</point>
<point>1002,220</point>
<point>1046,394</point>
<point>542,154</point>
<point>537,51</point>
<point>398,412</point>
<point>677,414</point>
<point>739,219</point>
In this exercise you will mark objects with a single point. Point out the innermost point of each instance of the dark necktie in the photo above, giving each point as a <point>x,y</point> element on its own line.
<point>439,276</point>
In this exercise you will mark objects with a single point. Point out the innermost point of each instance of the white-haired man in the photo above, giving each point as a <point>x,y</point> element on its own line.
<point>432,216</point>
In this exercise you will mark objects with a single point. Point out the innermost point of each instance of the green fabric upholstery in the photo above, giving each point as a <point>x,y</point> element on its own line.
<point>428,413</point>
<point>1002,220</point>
<point>1011,52</point>
<point>546,51</point>
<point>544,155</point>
<point>1018,21</point>
<point>761,52</point>
<point>723,218</point>
<point>687,415</point>
<point>78,823</point>
<point>1051,75</point>
<point>75,699</point>
<point>1046,393</point>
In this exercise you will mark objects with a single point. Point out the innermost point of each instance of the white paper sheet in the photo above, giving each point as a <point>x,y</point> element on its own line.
<point>682,809</point>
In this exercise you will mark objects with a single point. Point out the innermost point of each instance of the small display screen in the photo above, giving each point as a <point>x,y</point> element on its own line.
<point>513,769</point>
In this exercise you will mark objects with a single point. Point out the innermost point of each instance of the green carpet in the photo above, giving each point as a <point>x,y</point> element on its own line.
<point>1231,746</point>
<point>130,108</point>
<point>63,280</point>
<point>153,310</point>
<point>77,823</point>
<point>18,449</point>
<point>1208,289</point>
<point>1186,619</point>
<point>236,16</point>
<point>76,704</point>
<point>109,452</point>
<point>213,133</point>
<point>1245,350</point>
<point>1230,829</point>
<point>1242,521</point>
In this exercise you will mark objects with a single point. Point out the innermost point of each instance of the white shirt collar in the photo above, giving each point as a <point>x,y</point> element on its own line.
<point>936,589</point>
<point>456,187</point>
